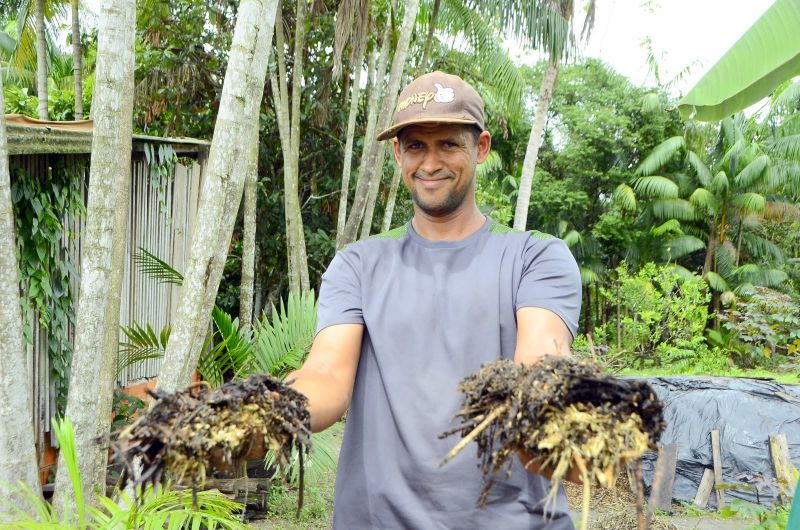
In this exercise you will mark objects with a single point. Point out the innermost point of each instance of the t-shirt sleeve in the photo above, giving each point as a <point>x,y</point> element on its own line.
<point>551,280</point>
<point>340,292</point>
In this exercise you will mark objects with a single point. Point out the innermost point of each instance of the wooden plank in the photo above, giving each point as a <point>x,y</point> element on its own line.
<point>663,478</point>
<point>716,453</point>
<point>704,491</point>
<point>782,464</point>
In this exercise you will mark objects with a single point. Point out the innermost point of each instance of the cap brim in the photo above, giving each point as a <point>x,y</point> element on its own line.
<point>392,131</point>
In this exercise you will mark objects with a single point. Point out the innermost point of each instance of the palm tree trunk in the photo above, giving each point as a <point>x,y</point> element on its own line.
<point>17,449</point>
<point>249,229</point>
<point>426,53</point>
<point>102,253</point>
<point>369,210</point>
<point>222,187</point>
<point>534,142</point>
<point>384,118</point>
<point>289,131</point>
<point>351,127</point>
<point>41,59</point>
<point>708,263</point>
<point>389,211</point>
<point>76,61</point>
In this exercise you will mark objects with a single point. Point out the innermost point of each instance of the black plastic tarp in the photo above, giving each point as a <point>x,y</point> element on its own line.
<point>745,412</point>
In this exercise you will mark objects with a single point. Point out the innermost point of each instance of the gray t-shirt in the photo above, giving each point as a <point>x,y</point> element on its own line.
<point>434,312</point>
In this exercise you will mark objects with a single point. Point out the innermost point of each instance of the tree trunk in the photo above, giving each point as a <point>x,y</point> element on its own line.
<point>348,146</point>
<point>369,210</point>
<point>534,142</point>
<point>41,59</point>
<point>102,254</point>
<point>389,211</point>
<point>384,118</point>
<point>244,79</point>
<point>249,235</point>
<point>289,131</point>
<point>426,53</point>
<point>76,61</point>
<point>708,263</point>
<point>17,445</point>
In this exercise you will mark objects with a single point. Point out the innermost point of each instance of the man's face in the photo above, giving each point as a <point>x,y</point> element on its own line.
<point>438,165</point>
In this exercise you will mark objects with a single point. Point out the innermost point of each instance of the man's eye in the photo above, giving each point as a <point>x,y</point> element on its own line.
<point>414,145</point>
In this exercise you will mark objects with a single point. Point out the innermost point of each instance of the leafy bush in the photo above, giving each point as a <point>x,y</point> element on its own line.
<point>763,328</point>
<point>662,315</point>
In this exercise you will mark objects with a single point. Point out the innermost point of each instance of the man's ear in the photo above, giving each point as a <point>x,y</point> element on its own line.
<point>396,146</point>
<point>484,146</point>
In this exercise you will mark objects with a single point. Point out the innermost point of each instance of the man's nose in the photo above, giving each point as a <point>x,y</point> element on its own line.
<point>432,162</point>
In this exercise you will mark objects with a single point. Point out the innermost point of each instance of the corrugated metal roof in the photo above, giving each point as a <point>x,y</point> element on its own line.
<point>30,136</point>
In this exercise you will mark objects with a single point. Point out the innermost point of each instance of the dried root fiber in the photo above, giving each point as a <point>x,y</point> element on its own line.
<point>567,413</point>
<point>185,431</point>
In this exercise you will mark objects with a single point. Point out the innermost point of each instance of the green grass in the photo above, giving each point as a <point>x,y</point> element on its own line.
<point>787,377</point>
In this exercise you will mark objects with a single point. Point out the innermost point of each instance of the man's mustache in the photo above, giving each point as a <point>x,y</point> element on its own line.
<point>431,176</point>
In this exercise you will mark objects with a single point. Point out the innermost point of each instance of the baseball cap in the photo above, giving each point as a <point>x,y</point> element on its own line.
<point>436,97</point>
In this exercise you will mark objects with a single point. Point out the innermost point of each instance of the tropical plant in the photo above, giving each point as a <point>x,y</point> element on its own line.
<point>715,193</point>
<point>154,507</point>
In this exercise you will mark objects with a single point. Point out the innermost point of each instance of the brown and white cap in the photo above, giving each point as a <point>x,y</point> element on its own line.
<point>436,98</point>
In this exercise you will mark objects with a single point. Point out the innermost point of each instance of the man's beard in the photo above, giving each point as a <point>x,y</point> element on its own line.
<point>451,202</point>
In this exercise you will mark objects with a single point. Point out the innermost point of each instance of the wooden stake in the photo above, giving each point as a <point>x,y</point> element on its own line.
<point>716,453</point>
<point>782,464</point>
<point>704,491</point>
<point>643,519</point>
<point>663,479</point>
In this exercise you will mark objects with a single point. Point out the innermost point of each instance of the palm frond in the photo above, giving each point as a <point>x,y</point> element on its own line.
<point>651,103</point>
<point>682,246</point>
<point>752,173</point>
<point>655,186</point>
<point>156,268</point>
<point>700,168</point>
<point>143,343</point>
<point>781,211</point>
<point>682,272</point>
<point>787,147</point>
<point>573,238</point>
<point>661,154</point>
<point>748,203</point>
<point>625,198</point>
<point>588,276</point>
<point>281,345</point>
<point>667,227</point>
<point>754,274</point>
<point>680,209</point>
<point>725,260</point>
<point>230,355</point>
<point>786,97</point>
<point>716,282</point>
<point>720,184</point>
<point>762,248</point>
<point>322,458</point>
<point>492,164</point>
<point>783,177</point>
<point>704,201</point>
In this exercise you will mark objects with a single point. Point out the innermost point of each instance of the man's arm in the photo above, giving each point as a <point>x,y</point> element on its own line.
<point>541,332</point>
<point>327,376</point>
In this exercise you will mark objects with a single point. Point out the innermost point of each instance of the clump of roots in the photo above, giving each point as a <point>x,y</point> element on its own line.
<point>185,431</point>
<point>566,413</point>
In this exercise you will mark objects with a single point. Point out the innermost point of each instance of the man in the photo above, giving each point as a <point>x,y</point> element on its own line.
<point>405,316</point>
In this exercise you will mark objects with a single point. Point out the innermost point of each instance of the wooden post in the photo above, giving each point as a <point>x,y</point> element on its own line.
<point>716,453</point>
<point>704,491</point>
<point>663,478</point>
<point>642,515</point>
<point>782,464</point>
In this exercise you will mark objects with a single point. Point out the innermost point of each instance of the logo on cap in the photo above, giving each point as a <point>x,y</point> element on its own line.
<point>442,95</point>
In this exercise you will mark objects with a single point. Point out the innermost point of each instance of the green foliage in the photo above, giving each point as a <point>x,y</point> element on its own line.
<point>154,508</point>
<point>45,265</point>
<point>143,343</point>
<point>124,409</point>
<point>227,352</point>
<point>764,328</point>
<point>161,160</point>
<point>767,518</point>
<point>662,316</point>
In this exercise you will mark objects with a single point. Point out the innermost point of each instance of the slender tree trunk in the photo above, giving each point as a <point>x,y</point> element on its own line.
<point>708,263</point>
<point>289,131</point>
<point>244,79</point>
<point>17,445</point>
<point>369,210</point>
<point>249,235</point>
<point>426,53</point>
<point>389,211</point>
<point>103,253</point>
<point>384,118</point>
<point>348,146</point>
<point>77,61</point>
<point>41,59</point>
<point>534,142</point>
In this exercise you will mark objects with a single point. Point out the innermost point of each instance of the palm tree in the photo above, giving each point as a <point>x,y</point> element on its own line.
<point>716,192</point>
<point>76,60</point>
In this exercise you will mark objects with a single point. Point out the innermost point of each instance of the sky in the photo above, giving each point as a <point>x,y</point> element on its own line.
<point>683,33</point>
